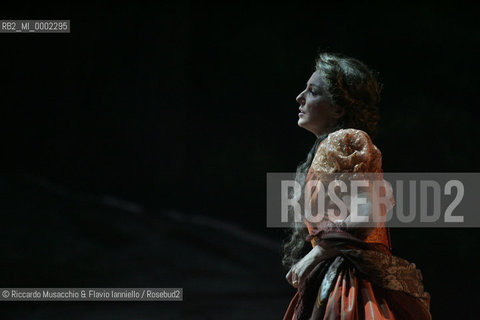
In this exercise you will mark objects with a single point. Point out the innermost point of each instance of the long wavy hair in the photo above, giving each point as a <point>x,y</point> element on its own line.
<point>354,87</point>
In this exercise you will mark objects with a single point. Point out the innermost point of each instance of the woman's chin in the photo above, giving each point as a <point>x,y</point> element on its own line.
<point>301,123</point>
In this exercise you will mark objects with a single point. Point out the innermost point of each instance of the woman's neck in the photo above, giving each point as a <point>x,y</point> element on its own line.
<point>328,130</point>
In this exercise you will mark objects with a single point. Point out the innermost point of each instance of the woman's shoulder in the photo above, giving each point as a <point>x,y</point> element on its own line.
<point>349,136</point>
<point>347,150</point>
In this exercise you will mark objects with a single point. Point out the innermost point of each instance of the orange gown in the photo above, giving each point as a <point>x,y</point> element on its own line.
<point>363,280</point>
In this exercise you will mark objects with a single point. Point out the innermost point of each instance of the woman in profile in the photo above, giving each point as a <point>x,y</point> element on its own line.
<point>341,270</point>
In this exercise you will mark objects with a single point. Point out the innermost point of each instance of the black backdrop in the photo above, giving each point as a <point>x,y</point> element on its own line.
<point>186,106</point>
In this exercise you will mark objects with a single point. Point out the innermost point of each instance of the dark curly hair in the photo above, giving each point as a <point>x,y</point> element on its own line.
<point>351,85</point>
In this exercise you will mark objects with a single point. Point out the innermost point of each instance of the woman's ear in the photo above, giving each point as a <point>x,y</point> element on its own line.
<point>338,112</point>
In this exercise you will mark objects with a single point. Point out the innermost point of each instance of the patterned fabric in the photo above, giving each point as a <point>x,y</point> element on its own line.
<point>344,155</point>
<point>347,150</point>
<point>362,280</point>
<point>390,272</point>
<point>361,284</point>
<point>381,236</point>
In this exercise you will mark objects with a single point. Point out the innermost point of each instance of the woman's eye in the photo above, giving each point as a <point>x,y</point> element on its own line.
<point>314,92</point>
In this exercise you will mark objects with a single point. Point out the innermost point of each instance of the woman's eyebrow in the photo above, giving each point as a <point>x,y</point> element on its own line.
<point>313,85</point>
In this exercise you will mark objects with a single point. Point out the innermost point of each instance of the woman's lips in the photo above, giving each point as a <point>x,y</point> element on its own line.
<point>301,113</point>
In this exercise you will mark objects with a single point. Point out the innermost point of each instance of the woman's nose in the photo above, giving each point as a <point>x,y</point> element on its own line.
<point>300,99</point>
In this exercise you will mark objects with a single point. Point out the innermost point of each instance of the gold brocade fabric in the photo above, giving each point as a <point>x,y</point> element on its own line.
<point>350,152</point>
<point>347,150</point>
<point>358,281</point>
<point>380,236</point>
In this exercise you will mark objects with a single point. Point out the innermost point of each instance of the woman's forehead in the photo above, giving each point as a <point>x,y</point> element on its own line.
<point>316,79</point>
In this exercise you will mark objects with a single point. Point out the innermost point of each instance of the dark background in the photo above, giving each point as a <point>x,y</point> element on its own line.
<point>135,148</point>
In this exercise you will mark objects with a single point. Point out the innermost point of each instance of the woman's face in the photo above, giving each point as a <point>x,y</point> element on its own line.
<point>317,114</point>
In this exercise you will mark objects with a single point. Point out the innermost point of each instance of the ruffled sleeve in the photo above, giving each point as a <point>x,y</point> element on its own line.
<point>347,150</point>
<point>345,154</point>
